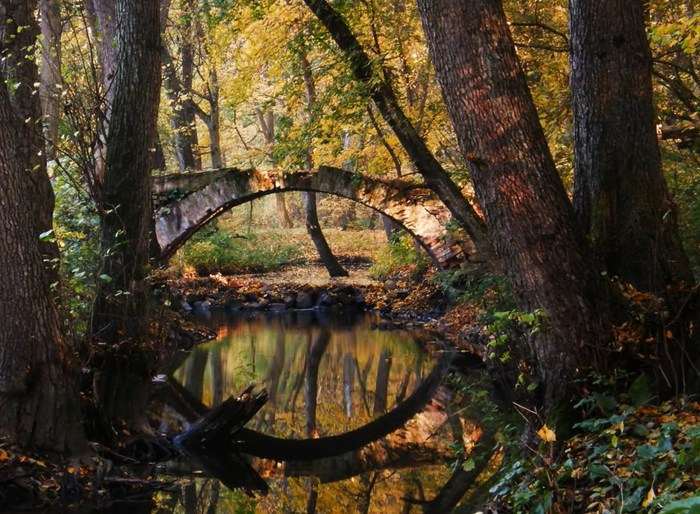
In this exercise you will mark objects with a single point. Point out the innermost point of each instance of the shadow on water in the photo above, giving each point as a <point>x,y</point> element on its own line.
<point>351,419</point>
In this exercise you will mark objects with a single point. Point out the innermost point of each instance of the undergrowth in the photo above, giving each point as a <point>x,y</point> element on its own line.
<point>624,456</point>
<point>399,254</point>
<point>221,252</point>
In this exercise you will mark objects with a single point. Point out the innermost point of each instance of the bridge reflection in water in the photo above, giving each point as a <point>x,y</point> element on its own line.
<point>357,419</point>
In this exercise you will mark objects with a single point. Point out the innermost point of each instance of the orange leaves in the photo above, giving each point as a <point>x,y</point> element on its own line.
<point>547,434</point>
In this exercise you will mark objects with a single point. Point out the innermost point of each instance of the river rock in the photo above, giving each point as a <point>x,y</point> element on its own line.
<point>233,305</point>
<point>202,306</point>
<point>325,300</point>
<point>304,300</point>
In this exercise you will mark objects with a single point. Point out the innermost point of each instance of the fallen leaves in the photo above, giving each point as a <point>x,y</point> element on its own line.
<point>547,434</point>
<point>649,497</point>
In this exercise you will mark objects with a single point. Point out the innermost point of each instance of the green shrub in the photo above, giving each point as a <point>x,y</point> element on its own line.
<point>221,252</point>
<point>77,232</point>
<point>401,252</point>
<point>489,291</point>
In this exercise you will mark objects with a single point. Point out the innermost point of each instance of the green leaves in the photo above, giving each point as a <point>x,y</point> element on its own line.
<point>686,506</point>
<point>640,391</point>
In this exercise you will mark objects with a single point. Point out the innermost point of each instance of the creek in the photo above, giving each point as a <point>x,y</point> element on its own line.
<point>326,374</point>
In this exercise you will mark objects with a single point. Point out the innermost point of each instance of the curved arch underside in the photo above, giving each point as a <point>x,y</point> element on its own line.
<point>186,202</point>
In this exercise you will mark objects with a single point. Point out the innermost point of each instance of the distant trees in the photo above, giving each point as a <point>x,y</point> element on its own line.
<point>384,97</point>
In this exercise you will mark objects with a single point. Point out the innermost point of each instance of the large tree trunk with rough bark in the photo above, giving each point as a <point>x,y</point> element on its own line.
<point>121,309</point>
<point>18,37</point>
<point>38,394</point>
<point>388,105</point>
<point>530,220</point>
<point>620,194</point>
<point>121,302</point>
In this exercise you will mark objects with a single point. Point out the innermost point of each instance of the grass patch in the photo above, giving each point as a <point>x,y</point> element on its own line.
<point>220,252</point>
<point>399,254</point>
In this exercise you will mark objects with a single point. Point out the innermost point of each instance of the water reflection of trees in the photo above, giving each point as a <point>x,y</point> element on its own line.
<point>344,378</point>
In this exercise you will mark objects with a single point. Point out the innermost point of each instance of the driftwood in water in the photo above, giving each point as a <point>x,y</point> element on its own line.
<point>208,441</point>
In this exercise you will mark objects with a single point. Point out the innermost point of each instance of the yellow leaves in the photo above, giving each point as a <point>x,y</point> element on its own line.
<point>547,434</point>
<point>649,497</point>
<point>578,473</point>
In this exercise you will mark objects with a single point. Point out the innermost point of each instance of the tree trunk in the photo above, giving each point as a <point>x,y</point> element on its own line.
<point>384,98</point>
<point>390,227</point>
<point>179,91</point>
<point>120,313</point>
<point>313,226</point>
<point>348,384</point>
<point>318,348</point>
<point>51,30</point>
<point>381,389</point>
<point>217,376</point>
<point>121,300</point>
<point>620,194</point>
<point>530,219</point>
<point>38,394</point>
<point>18,37</point>
<point>214,123</point>
<point>266,120</point>
<point>194,372</point>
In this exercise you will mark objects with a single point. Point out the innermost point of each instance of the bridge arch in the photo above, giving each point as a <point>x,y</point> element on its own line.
<point>187,202</point>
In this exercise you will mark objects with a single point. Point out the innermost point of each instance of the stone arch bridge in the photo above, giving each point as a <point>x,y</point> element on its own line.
<point>185,202</point>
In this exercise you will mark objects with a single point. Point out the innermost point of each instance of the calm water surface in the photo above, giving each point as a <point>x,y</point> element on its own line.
<point>325,374</point>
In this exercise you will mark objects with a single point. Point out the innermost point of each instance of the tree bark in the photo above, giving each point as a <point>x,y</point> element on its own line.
<point>121,305</point>
<point>386,102</point>
<point>348,384</point>
<point>313,228</point>
<point>120,313</point>
<point>530,219</point>
<point>38,394</point>
<point>49,91</point>
<point>620,194</point>
<point>266,120</point>
<point>18,37</point>
<point>194,372</point>
<point>214,121</point>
